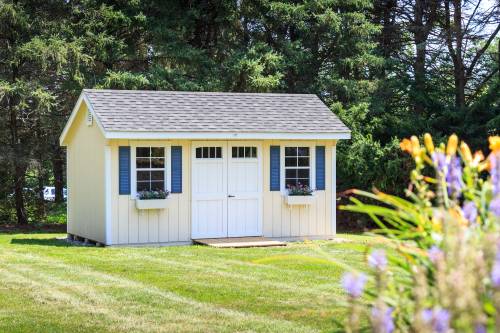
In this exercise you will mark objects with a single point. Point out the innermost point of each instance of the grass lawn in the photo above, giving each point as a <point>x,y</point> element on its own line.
<point>47,285</point>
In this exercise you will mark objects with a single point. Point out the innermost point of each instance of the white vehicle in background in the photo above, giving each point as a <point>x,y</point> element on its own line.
<point>49,193</point>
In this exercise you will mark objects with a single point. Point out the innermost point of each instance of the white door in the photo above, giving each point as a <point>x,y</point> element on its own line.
<point>244,190</point>
<point>209,190</point>
<point>226,189</point>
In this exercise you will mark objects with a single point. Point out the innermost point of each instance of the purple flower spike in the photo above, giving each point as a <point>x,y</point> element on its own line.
<point>479,328</point>
<point>438,319</point>
<point>378,260</point>
<point>435,254</point>
<point>383,320</point>
<point>495,273</point>
<point>470,211</point>
<point>354,284</point>
<point>495,205</point>
<point>495,172</point>
<point>454,177</point>
<point>439,160</point>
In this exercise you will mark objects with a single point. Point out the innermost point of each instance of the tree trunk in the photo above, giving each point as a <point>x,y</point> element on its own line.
<point>58,171</point>
<point>20,165</point>
<point>20,174</point>
<point>40,200</point>
<point>459,69</point>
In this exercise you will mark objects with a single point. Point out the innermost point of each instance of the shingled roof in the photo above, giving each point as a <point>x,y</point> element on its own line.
<point>142,111</point>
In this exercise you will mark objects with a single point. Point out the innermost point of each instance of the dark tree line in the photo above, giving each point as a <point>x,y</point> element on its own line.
<point>389,68</point>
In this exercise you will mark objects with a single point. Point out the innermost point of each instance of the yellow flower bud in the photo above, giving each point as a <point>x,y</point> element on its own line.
<point>428,143</point>
<point>466,153</point>
<point>478,157</point>
<point>451,148</point>
<point>494,143</point>
<point>415,145</point>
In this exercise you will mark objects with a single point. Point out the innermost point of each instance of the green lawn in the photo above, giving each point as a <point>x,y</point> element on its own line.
<point>49,286</point>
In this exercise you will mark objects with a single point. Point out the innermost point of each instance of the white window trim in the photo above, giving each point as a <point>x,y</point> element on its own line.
<point>133,170</point>
<point>312,163</point>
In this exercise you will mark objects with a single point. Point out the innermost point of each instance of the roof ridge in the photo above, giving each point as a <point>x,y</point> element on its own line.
<point>196,92</point>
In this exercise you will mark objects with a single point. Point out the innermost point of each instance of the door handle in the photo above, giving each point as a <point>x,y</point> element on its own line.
<point>230,196</point>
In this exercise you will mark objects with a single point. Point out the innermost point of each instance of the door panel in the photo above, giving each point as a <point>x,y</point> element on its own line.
<point>244,190</point>
<point>209,191</point>
<point>226,189</point>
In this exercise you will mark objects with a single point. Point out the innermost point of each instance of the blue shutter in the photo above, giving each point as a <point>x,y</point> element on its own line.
<point>320,167</point>
<point>274,178</point>
<point>124,170</point>
<point>176,152</point>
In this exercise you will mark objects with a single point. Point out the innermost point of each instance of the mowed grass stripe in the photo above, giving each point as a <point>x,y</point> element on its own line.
<point>82,294</point>
<point>189,288</point>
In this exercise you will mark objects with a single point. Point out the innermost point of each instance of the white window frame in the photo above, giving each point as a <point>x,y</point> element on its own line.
<point>312,163</point>
<point>133,169</point>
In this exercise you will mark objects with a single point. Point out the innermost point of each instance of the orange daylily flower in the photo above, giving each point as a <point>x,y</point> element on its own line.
<point>494,143</point>
<point>406,146</point>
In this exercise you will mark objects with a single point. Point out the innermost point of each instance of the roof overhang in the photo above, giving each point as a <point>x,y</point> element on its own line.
<point>135,135</point>
<point>151,135</point>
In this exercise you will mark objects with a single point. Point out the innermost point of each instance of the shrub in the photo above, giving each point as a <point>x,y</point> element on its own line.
<point>443,271</point>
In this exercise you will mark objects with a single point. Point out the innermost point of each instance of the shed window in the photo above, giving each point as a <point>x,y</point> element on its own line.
<point>150,168</point>
<point>297,166</point>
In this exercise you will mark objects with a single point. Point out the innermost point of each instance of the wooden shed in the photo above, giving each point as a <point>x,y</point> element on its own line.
<point>227,161</point>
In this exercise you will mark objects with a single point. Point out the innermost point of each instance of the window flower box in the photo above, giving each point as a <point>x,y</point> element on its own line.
<point>151,203</point>
<point>299,195</point>
<point>151,200</point>
<point>294,200</point>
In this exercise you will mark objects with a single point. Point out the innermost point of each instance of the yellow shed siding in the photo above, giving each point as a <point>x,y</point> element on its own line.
<point>173,224</point>
<point>86,179</point>
<point>133,226</point>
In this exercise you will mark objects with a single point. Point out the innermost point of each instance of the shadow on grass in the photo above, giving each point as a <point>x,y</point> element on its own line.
<point>44,242</point>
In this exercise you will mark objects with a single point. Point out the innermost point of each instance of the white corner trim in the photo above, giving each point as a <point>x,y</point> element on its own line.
<point>334,190</point>
<point>108,194</point>
<point>225,135</point>
<point>82,98</point>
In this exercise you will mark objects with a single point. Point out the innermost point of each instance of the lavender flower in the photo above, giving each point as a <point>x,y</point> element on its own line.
<point>495,205</point>
<point>382,319</point>
<point>435,254</point>
<point>470,211</point>
<point>439,160</point>
<point>438,319</point>
<point>480,328</point>
<point>354,284</point>
<point>378,260</point>
<point>454,177</point>
<point>495,172</point>
<point>495,273</point>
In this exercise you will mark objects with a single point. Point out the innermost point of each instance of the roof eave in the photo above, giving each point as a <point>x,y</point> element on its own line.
<point>147,135</point>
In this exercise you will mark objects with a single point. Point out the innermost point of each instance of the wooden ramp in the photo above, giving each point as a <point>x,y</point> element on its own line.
<point>237,242</point>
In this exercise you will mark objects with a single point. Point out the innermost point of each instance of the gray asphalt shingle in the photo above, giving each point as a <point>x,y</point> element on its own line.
<point>175,111</point>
